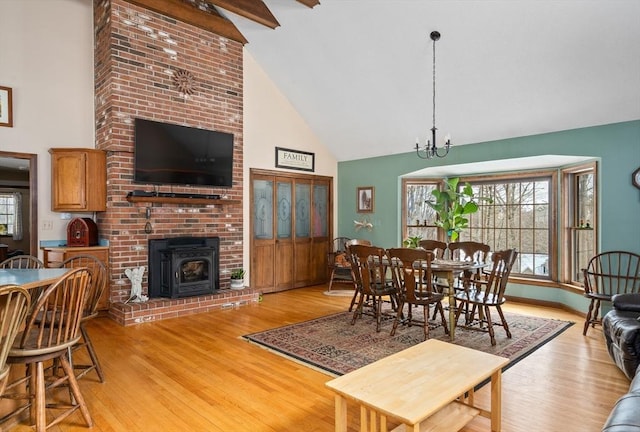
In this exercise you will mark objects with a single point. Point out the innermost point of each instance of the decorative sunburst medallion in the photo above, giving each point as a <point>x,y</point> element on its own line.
<point>184,81</point>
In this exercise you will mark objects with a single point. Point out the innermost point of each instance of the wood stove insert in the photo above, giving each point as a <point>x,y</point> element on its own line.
<point>183,266</point>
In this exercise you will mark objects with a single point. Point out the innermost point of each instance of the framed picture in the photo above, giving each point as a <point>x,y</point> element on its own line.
<point>295,159</point>
<point>364,199</point>
<point>6,107</point>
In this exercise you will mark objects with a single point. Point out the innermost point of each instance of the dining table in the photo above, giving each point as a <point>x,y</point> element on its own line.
<point>31,278</point>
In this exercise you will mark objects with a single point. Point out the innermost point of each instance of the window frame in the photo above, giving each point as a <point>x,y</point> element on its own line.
<point>550,174</point>
<point>569,217</point>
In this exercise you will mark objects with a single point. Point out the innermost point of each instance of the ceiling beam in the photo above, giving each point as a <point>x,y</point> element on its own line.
<point>309,3</point>
<point>184,12</point>
<point>255,10</point>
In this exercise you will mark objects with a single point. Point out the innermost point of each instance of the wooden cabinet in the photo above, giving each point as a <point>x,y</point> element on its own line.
<point>79,179</point>
<point>54,256</point>
<point>291,224</point>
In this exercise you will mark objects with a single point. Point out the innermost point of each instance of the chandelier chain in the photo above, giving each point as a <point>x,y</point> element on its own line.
<point>430,149</point>
<point>434,84</point>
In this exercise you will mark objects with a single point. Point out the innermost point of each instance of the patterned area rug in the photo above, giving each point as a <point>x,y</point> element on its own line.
<point>331,344</point>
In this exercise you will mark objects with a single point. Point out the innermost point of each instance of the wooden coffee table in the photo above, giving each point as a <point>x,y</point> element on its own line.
<point>422,386</point>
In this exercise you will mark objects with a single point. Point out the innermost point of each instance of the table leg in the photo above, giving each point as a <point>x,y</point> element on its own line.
<point>452,312</point>
<point>496,401</point>
<point>341,414</point>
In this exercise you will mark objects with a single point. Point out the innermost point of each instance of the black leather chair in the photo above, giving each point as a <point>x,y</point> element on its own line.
<point>621,330</point>
<point>625,415</point>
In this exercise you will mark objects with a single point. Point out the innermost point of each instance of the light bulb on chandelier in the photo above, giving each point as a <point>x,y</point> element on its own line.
<point>430,149</point>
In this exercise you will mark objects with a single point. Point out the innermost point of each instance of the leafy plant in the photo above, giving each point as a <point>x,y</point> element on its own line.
<point>452,206</point>
<point>237,273</point>
<point>412,242</point>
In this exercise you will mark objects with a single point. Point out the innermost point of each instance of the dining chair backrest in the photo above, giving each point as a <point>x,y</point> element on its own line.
<point>368,267</point>
<point>22,262</point>
<point>54,321</point>
<point>14,304</point>
<point>358,242</point>
<point>340,244</point>
<point>502,263</point>
<point>436,246</point>
<point>99,279</point>
<point>411,270</point>
<point>613,272</point>
<point>469,251</point>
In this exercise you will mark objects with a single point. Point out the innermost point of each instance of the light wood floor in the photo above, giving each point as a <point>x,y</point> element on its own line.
<point>196,374</point>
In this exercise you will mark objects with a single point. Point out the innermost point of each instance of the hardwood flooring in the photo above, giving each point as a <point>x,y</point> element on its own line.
<point>196,374</point>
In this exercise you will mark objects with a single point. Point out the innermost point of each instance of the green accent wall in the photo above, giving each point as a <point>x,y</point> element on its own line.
<point>615,146</point>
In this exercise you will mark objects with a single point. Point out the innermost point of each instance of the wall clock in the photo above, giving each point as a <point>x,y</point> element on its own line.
<point>635,178</point>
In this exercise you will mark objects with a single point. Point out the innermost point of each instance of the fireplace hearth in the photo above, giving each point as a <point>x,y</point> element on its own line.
<point>183,266</point>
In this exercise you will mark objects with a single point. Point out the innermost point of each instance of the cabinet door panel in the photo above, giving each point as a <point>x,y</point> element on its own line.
<point>262,241</point>
<point>69,180</point>
<point>284,263</point>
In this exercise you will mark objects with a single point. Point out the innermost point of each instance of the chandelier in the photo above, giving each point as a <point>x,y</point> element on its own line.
<point>430,149</point>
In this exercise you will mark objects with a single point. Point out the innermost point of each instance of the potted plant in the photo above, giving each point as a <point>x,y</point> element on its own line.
<point>237,278</point>
<point>452,207</point>
<point>412,242</point>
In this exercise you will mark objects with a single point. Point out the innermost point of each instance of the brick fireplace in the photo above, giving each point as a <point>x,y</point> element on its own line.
<point>137,55</point>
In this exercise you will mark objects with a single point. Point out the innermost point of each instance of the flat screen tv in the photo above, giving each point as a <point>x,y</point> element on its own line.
<point>179,155</point>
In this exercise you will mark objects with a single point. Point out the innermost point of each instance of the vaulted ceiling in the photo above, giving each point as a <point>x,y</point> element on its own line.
<point>206,15</point>
<point>360,71</point>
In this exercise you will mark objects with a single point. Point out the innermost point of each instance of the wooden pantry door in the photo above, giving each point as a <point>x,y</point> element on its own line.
<point>290,229</point>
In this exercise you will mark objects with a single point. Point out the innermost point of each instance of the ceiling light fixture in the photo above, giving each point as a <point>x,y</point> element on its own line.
<point>430,149</point>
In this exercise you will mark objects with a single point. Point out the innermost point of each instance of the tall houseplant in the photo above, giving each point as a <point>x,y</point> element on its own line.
<point>453,206</point>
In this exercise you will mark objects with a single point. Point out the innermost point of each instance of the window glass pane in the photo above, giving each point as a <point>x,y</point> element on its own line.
<point>284,209</point>
<point>518,218</point>
<point>581,220</point>
<point>417,211</point>
<point>303,208</point>
<point>7,212</point>
<point>263,206</point>
<point>320,210</point>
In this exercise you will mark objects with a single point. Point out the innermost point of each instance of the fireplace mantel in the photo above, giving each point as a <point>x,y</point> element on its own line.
<point>174,200</point>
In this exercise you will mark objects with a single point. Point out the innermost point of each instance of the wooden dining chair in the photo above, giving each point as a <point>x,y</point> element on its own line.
<point>14,305</point>
<point>369,270</point>
<point>608,274</point>
<point>436,246</point>
<point>350,242</point>
<point>411,270</point>
<point>482,295</point>
<point>99,282</point>
<point>470,251</point>
<point>22,262</point>
<point>52,326</point>
<point>338,264</point>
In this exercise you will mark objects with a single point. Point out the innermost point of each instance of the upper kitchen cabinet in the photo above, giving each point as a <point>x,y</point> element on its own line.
<point>79,179</point>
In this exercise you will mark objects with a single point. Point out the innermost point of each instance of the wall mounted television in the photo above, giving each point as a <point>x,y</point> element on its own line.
<point>179,155</point>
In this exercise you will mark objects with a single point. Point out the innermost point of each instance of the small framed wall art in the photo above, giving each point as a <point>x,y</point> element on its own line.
<point>6,107</point>
<point>295,159</point>
<point>364,199</point>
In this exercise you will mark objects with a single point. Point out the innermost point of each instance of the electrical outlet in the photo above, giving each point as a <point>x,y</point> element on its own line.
<point>47,225</point>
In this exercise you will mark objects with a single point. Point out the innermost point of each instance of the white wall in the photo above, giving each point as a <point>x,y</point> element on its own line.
<point>46,56</point>
<point>271,121</point>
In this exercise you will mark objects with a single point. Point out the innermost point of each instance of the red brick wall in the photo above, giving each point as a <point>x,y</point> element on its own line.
<point>136,53</point>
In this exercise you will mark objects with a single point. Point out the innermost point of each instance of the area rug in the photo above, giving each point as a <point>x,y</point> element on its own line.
<point>334,346</point>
